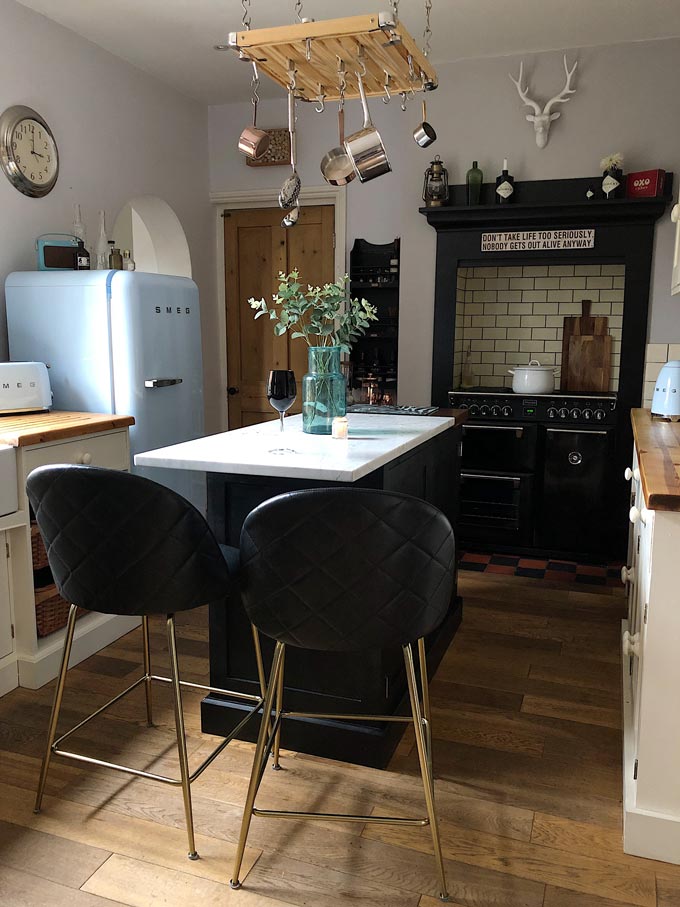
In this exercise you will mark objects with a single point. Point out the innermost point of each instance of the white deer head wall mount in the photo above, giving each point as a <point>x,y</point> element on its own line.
<point>543,118</point>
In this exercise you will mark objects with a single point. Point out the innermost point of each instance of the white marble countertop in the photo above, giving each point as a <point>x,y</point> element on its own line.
<point>374,440</point>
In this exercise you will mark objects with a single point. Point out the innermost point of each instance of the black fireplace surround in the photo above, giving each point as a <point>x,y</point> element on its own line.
<point>624,234</point>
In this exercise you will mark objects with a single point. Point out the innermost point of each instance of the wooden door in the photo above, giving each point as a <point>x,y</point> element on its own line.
<point>256,248</point>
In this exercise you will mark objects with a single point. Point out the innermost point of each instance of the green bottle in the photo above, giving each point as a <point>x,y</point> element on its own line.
<point>474,184</point>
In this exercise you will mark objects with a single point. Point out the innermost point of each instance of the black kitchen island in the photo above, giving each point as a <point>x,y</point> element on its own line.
<point>410,454</point>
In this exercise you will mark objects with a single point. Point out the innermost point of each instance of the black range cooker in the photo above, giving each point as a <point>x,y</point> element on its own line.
<point>536,472</point>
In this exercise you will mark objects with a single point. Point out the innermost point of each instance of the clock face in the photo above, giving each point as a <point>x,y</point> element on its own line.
<point>28,152</point>
<point>34,152</point>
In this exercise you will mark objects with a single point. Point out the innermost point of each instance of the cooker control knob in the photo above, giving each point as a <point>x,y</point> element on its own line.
<point>507,410</point>
<point>564,413</point>
<point>552,412</point>
<point>485,410</point>
<point>587,414</point>
<point>495,410</point>
<point>575,413</point>
<point>474,410</point>
<point>463,406</point>
<point>600,415</point>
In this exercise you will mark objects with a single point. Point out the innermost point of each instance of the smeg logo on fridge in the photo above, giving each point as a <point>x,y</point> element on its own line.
<point>172,310</point>
<point>6,385</point>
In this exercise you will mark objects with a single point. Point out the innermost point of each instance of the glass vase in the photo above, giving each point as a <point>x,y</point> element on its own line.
<point>323,390</point>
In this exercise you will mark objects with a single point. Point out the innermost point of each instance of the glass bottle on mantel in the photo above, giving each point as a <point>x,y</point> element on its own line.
<point>102,261</point>
<point>128,261</point>
<point>474,184</point>
<point>505,186</point>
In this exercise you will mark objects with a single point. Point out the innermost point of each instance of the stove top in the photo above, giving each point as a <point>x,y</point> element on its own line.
<point>500,403</point>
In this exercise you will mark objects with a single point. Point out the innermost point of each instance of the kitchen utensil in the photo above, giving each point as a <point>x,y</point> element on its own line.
<point>336,166</point>
<point>254,142</point>
<point>589,363</point>
<point>585,325</point>
<point>666,399</point>
<point>290,190</point>
<point>533,378</point>
<point>424,134</point>
<point>291,217</point>
<point>365,148</point>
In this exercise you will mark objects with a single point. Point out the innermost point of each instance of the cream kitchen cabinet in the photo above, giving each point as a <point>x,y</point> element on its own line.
<point>42,439</point>
<point>651,637</point>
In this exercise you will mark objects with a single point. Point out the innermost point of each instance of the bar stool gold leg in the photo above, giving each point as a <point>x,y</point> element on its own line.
<point>147,669</point>
<point>428,780</point>
<point>56,705</point>
<point>279,706</point>
<point>181,736</point>
<point>427,715</point>
<point>255,774</point>
<point>258,659</point>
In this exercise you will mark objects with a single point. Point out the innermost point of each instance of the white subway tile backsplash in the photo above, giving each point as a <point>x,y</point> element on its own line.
<point>513,314</point>
<point>674,351</point>
<point>657,352</point>
<point>560,296</point>
<point>573,283</point>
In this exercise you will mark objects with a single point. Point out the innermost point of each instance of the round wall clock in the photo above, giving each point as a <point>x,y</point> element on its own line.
<point>28,152</point>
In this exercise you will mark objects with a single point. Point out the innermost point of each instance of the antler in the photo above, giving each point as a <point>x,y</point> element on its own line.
<point>523,91</point>
<point>567,90</point>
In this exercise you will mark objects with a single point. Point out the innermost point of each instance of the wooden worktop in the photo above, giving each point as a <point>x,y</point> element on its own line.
<point>658,448</point>
<point>39,428</point>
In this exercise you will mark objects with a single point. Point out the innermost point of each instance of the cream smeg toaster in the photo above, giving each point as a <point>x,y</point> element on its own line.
<point>24,387</point>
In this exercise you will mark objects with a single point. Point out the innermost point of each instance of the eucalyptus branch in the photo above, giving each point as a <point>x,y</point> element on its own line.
<point>322,316</point>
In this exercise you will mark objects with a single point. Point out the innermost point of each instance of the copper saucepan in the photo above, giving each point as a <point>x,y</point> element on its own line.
<point>254,142</point>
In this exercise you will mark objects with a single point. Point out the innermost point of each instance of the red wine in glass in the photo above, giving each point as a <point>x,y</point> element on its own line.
<point>281,391</point>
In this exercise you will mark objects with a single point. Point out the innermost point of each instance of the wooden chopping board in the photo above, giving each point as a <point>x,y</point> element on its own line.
<point>586,352</point>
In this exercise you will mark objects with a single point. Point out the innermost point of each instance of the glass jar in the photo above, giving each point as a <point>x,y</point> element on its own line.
<point>323,390</point>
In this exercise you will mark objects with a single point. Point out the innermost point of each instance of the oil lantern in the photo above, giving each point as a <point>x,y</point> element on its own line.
<point>436,184</point>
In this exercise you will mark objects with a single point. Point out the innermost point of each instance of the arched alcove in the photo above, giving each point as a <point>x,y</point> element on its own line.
<point>149,227</point>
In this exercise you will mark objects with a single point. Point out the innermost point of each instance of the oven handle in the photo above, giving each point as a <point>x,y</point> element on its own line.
<point>471,475</point>
<point>589,431</point>
<point>518,429</point>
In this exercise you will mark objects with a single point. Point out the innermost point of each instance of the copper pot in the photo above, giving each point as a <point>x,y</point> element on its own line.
<point>254,142</point>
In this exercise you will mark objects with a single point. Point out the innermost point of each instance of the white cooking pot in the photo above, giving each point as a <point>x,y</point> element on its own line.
<point>533,378</point>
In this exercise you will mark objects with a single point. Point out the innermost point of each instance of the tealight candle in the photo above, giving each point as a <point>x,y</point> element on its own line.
<point>340,428</point>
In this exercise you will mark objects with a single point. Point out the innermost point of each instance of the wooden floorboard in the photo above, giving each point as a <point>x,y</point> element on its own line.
<point>527,746</point>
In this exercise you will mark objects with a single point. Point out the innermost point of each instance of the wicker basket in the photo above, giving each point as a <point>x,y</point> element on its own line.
<point>51,611</point>
<point>38,553</point>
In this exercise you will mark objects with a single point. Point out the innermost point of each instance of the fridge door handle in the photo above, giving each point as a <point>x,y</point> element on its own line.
<point>161,382</point>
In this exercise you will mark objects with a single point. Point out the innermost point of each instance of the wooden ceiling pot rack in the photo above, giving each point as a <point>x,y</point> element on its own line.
<point>378,41</point>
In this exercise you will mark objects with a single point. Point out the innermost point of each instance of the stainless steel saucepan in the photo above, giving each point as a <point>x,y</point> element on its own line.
<point>336,165</point>
<point>365,148</point>
<point>424,134</point>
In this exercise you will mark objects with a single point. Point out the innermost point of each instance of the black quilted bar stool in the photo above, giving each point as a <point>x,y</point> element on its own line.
<point>345,570</point>
<point>121,544</point>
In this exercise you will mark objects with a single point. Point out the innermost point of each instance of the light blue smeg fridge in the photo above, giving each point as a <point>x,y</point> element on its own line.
<point>117,342</point>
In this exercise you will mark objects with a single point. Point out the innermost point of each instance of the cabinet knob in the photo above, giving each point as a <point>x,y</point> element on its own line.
<point>631,644</point>
<point>639,515</point>
<point>627,575</point>
<point>636,474</point>
<point>85,459</point>
<point>628,474</point>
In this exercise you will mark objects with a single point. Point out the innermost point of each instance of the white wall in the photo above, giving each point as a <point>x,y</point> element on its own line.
<point>120,134</point>
<point>628,100</point>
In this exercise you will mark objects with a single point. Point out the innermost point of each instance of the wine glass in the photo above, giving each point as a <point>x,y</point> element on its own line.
<point>281,393</point>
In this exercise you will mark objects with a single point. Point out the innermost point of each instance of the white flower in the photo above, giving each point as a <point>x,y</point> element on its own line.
<point>612,162</point>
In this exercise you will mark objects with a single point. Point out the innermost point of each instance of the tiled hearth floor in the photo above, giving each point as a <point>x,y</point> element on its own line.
<point>537,568</point>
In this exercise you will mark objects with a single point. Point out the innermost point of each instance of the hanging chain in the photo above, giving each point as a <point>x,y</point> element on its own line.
<point>427,34</point>
<point>395,10</point>
<point>254,86</point>
<point>298,10</point>
<point>246,14</point>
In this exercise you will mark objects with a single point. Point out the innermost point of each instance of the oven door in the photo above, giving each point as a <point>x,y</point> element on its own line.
<point>573,511</point>
<point>495,509</point>
<point>499,448</point>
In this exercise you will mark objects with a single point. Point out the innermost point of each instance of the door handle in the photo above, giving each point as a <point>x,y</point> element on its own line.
<point>232,390</point>
<point>162,382</point>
